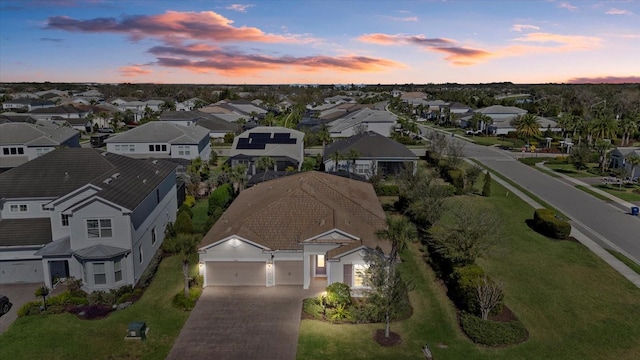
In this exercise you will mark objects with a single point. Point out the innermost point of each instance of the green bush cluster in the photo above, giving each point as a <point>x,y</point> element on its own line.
<point>147,275</point>
<point>313,307</point>
<point>186,209</point>
<point>387,190</point>
<point>462,287</point>
<point>221,197</point>
<point>190,201</point>
<point>546,223</point>
<point>187,303</point>
<point>30,308</point>
<point>456,178</point>
<point>338,294</point>
<point>183,223</point>
<point>493,333</point>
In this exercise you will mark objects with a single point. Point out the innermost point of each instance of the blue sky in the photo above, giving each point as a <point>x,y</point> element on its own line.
<point>331,41</point>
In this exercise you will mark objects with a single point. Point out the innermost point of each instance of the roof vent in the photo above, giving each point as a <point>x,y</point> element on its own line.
<point>154,162</point>
<point>66,175</point>
<point>116,175</point>
<point>157,172</point>
<point>144,181</point>
<point>107,180</point>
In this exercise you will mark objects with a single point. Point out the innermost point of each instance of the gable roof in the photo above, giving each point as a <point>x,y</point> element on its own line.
<point>181,116</point>
<point>282,213</point>
<point>269,141</point>
<point>499,109</point>
<point>161,132</point>
<point>62,171</point>
<point>34,135</point>
<point>62,109</point>
<point>370,145</point>
<point>216,124</point>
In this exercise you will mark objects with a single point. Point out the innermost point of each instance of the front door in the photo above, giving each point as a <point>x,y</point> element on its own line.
<point>321,266</point>
<point>59,270</point>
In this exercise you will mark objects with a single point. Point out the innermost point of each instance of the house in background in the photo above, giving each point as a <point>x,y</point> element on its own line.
<point>82,213</point>
<point>218,128</point>
<point>159,139</point>
<point>293,229</point>
<point>62,111</point>
<point>190,104</point>
<point>27,104</point>
<point>376,154</point>
<point>619,157</point>
<point>363,120</point>
<point>184,118</point>
<point>285,146</point>
<point>21,142</point>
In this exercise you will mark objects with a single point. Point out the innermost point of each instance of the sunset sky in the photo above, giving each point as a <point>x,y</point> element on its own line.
<point>310,42</point>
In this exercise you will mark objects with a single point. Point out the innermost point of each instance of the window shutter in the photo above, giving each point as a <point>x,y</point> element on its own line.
<point>348,274</point>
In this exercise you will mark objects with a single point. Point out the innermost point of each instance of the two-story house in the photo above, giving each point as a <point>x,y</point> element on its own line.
<point>161,139</point>
<point>83,213</point>
<point>21,142</point>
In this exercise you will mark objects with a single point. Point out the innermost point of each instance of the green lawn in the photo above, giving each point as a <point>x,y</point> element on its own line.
<point>630,263</point>
<point>200,216</point>
<point>623,193</point>
<point>570,170</point>
<point>588,190</point>
<point>574,305</point>
<point>64,336</point>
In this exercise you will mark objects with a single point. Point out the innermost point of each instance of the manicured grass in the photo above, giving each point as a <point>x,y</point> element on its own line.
<point>573,304</point>
<point>593,193</point>
<point>624,193</point>
<point>630,263</point>
<point>570,170</point>
<point>200,216</point>
<point>64,336</point>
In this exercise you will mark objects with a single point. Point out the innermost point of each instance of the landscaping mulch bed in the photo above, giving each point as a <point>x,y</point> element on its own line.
<point>393,339</point>
<point>506,315</point>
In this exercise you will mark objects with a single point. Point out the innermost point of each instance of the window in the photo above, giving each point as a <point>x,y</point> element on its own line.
<point>164,147</point>
<point>99,274</point>
<point>42,151</point>
<point>362,169</point>
<point>117,270</point>
<point>153,236</point>
<point>99,228</point>
<point>157,148</point>
<point>18,208</point>
<point>13,151</point>
<point>125,148</point>
<point>184,150</point>
<point>359,275</point>
<point>64,220</point>
<point>140,253</point>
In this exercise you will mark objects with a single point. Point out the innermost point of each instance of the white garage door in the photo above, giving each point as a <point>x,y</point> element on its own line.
<point>289,272</point>
<point>23,271</point>
<point>236,273</point>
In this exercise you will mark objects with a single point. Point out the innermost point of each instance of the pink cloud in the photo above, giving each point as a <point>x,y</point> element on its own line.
<point>614,11</point>
<point>566,5</point>
<point>205,25</point>
<point>134,70</point>
<point>239,7</point>
<point>524,27</point>
<point>420,40</point>
<point>606,80</point>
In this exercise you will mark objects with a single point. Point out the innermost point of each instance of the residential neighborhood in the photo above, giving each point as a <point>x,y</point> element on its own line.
<point>230,212</point>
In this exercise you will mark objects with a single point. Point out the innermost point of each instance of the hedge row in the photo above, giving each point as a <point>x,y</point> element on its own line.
<point>546,223</point>
<point>493,333</point>
<point>387,190</point>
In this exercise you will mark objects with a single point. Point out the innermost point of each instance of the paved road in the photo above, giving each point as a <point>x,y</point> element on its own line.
<point>609,225</point>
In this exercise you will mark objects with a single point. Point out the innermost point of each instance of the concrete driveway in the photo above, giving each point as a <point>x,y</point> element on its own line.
<point>18,295</point>
<point>243,323</point>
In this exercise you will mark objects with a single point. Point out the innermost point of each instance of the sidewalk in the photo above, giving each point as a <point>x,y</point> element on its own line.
<point>585,240</point>
<point>624,204</point>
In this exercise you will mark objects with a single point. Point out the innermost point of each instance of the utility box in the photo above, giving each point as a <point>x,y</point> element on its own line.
<point>137,330</point>
<point>635,210</point>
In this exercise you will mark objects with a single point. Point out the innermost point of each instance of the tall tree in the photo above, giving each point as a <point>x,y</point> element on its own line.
<point>602,147</point>
<point>605,128</point>
<point>336,157</point>
<point>634,161</point>
<point>489,295</point>
<point>353,156</point>
<point>399,232</point>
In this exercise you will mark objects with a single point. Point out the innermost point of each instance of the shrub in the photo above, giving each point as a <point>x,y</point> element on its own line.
<point>462,287</point>
<point>186,303</point>
<point>546,223</point>
<point>340,313</point>
<point>486,188</point>
<point>101,298</point>
<point>30,308</point>
<point>313,307</point>
<point>493,333</point>
<point>185,208</point>
<point>387,190</point>
<point>197,281</point>
<point>148,274</point>
<point>338,294</point>
<point>446,190</point>
<point>183,223</point>
<point>190,201</point>
<point>456,178</point>
<point>221,197</point>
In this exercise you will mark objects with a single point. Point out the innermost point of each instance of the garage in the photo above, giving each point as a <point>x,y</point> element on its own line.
<point>289,272</point>
<point>21,271</point>
<point>236,273</point>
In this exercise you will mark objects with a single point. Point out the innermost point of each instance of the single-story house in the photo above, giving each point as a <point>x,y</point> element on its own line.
<point>159,139</point>
<point>27,104</point>
<point>62,111</point>
<point>84,213</point>
<point>619,157</point>
<point>291,230</point>
<point>376,154</point>
<point>365,119</point>
<point>21,142</point>
<point>285,146</point>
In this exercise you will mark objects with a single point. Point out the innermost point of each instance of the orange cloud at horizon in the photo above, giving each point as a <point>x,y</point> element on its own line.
<point>134,70</point>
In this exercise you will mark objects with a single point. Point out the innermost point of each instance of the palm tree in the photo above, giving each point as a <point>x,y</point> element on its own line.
<point>628,127</point>
<point>353,155</point>
<point>527,126</point>
<point>336,157</point>
<point>605,128</point>
<point>634,161</point>
<point>601,147</point>
<point>265,163</point>
<point>400,231</point>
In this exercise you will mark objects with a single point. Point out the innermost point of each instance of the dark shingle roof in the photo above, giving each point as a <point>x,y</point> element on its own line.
<point>100,251</point>
<point>25,232</point>
<point>370,145</point>
<point>62,109</point>
<point>62,171</point>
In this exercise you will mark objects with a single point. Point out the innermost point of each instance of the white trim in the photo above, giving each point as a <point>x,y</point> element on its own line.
<point>341,255</point>
<point>205,248</point>
<point>334,230</point>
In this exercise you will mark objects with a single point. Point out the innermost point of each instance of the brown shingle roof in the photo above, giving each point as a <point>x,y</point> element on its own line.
<point>282,213</point>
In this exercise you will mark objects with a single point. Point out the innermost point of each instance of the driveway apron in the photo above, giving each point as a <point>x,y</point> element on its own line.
<point>242,323</point>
